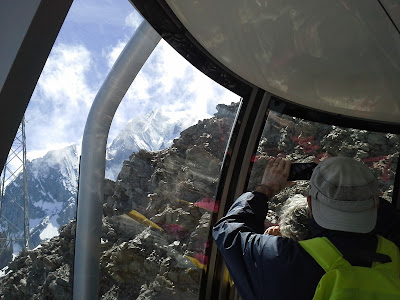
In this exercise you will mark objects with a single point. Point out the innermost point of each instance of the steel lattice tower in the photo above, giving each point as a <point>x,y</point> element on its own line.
<point>15,165</point>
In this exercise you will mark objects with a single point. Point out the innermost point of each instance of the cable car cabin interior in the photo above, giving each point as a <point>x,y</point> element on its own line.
<point>315,78</point>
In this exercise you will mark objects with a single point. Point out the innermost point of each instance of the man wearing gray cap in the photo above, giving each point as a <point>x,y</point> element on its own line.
<point>344,195</point>
<point>343,202</point>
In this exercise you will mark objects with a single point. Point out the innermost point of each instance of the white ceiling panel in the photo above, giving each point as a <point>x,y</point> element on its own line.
<point>338,56</point>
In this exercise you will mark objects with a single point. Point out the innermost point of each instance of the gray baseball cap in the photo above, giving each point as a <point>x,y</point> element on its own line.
<point>344,195</point>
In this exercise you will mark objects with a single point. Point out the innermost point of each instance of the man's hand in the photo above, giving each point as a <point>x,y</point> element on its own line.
<point>273,230</point>
<point>275,177</point>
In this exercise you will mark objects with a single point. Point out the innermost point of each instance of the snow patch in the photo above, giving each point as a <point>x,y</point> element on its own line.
<point>50,231</point>
<point>5,271</point>
<point>154,131</point>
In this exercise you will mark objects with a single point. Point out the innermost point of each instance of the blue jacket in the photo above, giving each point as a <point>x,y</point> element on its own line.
<point>272,267</point>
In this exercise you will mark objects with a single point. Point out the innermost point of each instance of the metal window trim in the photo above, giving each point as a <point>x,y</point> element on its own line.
<point>92,167</point>
<point>27,66</point>
<point>234,177</point>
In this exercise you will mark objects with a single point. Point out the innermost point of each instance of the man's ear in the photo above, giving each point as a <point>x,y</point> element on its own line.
<point>309,204</point>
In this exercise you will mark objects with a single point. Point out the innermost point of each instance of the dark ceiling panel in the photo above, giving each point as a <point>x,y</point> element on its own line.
<point>392,8</point>
<point>27,67</point>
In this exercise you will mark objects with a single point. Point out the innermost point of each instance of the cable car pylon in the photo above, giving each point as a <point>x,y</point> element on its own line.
<point>10,227</point>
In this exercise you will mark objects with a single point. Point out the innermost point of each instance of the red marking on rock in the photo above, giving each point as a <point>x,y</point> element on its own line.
<point>202,258</point>
<point>208,204</point>
<point>307,144</point>
<point>373,159</point>
<point>385,168</point>
<point>175,230</point>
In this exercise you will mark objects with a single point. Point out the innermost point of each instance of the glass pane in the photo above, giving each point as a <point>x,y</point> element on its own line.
<point>55,118</point>
<point>302,141</point>
<point>168,137</point>
<point>158,213</point>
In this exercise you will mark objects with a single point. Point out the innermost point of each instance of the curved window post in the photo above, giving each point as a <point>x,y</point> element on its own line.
<point>92,168</point>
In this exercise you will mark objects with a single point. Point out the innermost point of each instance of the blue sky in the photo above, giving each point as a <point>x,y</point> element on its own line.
<point>93,35</point>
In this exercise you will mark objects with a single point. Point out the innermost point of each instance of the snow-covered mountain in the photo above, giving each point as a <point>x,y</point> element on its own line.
<point>153,131</point>
<point>53,179</point>
<point>52,190</point>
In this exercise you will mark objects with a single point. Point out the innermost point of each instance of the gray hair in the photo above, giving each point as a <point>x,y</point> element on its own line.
<point>294,218</point>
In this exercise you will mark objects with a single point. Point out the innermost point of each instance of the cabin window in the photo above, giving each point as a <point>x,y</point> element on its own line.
<point>160,206</point>
<point>163,160</point>
<point>302,141</point>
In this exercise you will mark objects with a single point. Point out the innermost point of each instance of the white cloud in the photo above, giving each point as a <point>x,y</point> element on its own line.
<point>64,76</point>
<point>57,112</point>
<point>50,146</point>
<point>167,80</point>
<point>133,20</point>
<point>171,66</point>
<point>140,88</point>
<point>115,52</point>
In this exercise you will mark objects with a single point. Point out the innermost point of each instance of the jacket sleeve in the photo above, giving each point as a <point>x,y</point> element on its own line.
<point>262,265</point>
<point>238,237</point>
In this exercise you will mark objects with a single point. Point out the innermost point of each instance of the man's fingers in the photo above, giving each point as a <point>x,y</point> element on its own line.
<point>280,162</point>
<point>275,175</point>
<point>273,230</point>
<point>275,163</point>
<point>271,162</point>
<point>282,166</point>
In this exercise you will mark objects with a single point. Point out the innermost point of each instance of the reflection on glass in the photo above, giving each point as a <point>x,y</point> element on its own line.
<point>158,214</point>
<point>303,141</point>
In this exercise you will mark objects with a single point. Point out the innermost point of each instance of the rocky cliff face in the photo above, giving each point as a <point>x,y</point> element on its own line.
<point>155,225</point>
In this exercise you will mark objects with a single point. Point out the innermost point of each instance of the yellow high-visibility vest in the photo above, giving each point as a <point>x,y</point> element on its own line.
<point>346,282</point>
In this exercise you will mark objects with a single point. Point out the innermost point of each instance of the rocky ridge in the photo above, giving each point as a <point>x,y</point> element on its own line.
<point>155,225</point>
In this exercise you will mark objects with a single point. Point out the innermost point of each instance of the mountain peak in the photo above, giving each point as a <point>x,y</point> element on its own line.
<point>152,132</point>
<point>69,153</point>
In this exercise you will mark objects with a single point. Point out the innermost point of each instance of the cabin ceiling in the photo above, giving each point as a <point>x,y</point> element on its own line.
<point>341,57</point>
